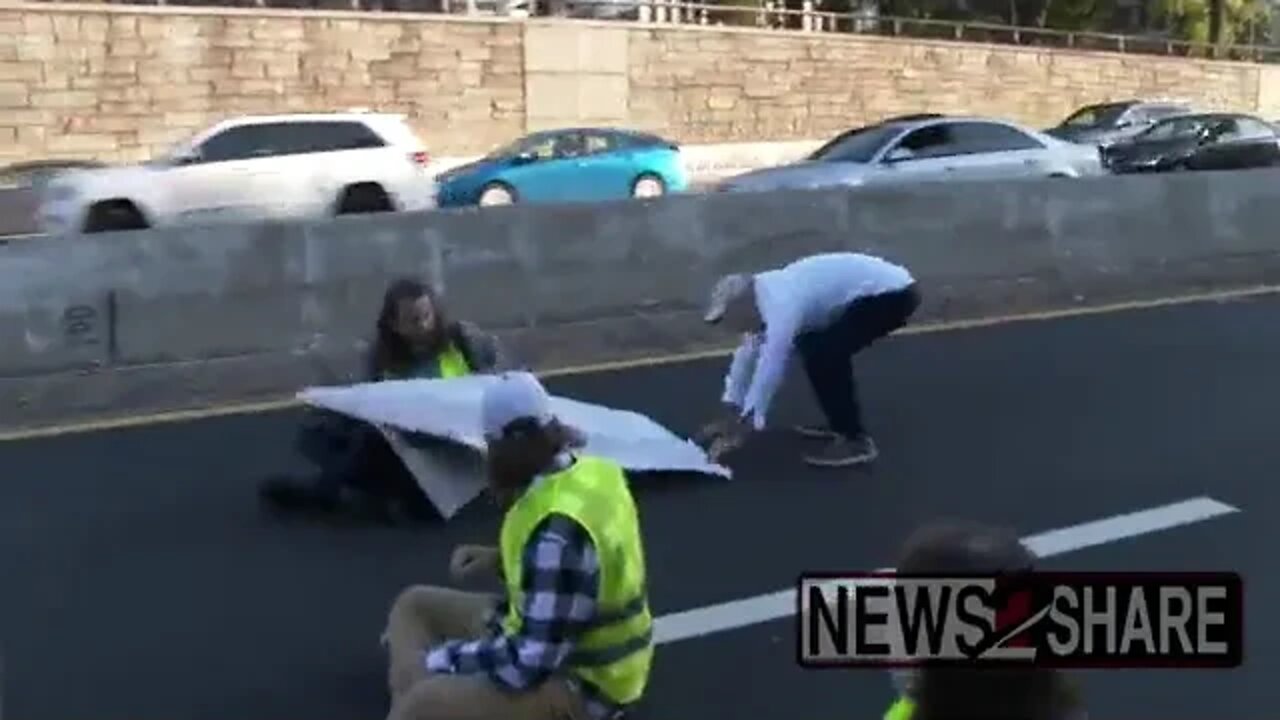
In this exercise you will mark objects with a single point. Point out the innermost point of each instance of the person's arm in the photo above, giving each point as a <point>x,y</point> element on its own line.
<point>560,585</point>
<point>775,352</point>
<point>484,351</point>
<point>741,369</point>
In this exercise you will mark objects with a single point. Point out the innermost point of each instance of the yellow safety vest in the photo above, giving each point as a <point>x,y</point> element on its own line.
<point>903,709</point>
<point>614,655</point>
<point>452,363</point>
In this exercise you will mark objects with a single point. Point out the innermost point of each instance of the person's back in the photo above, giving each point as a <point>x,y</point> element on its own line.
<point>818,285</point>
<point>615,651</point>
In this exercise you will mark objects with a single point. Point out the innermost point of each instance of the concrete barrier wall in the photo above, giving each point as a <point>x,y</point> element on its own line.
<point>123,322</point>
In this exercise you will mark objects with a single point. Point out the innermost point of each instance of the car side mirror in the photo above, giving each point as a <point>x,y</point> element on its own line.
<point>184,157</point>
<point>898,154</point>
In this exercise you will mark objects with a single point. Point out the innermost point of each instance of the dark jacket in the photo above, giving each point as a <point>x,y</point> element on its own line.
<point>482,351</point>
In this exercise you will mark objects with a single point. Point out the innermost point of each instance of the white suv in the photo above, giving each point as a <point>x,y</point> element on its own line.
<point>249,168</point>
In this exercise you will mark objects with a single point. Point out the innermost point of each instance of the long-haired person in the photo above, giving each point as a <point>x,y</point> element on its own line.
<point>950,693</point>
<point>414,337</point>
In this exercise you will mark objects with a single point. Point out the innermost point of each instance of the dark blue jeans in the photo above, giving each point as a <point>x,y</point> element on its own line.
<point>353,454</point>
<point>828,353</point>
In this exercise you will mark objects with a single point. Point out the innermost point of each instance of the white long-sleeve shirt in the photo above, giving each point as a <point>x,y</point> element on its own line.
<point>806,295</point>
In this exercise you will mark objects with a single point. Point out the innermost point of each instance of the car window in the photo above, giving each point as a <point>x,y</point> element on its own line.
<point>1222,129</point>
<point>1096,115</point>
<point>1248,128</point>
<point>570,145</point>
<point>860,145</point>
<point>595,142</point>
<point>246,141</point>
<point>932,141</point>
<point>1174,129</point>
<point>1136,115</point>
<point>329,136</point>
<point>981,137</point>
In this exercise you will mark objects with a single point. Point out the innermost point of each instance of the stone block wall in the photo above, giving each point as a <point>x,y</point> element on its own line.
<point>120,82</point>
<point>713,85</point>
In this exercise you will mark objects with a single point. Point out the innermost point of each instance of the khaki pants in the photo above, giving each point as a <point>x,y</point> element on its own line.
<point>424,616</point>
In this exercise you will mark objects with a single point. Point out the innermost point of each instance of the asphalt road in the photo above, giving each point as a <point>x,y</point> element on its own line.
<point>140,581</point>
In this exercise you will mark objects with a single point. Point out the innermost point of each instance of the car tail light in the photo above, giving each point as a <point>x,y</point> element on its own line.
<point>421,158</point>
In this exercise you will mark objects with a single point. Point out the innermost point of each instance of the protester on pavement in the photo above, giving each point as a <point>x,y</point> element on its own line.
<point>573,637</point>
<point>828,307</point>
<point>414,338</point>
<point>950,693</point>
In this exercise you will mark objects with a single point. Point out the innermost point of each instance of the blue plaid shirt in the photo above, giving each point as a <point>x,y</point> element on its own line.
<point>561,582</point>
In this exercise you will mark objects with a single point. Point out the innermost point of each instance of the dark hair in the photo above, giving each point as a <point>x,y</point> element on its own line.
<point>391,354</point>
<point>538,445</point>
<point>985,693</point>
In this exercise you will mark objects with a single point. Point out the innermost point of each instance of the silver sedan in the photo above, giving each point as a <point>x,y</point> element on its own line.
<point>929,149</point>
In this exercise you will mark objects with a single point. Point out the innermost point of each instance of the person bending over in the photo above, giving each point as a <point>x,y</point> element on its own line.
<point>828,307</point>
<point>573,637</point>
<point>357,468</point>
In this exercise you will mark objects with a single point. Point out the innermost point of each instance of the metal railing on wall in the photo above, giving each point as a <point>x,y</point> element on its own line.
<point>801,15</point>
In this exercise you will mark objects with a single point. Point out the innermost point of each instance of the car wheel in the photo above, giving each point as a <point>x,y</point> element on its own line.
<point>647,186</point>
<point>114,216</point>
<point>363,198</point>
<point>496,194</point>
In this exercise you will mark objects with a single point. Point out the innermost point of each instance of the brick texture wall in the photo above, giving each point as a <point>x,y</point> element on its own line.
<point>118,83</point>
<point>720,86</point>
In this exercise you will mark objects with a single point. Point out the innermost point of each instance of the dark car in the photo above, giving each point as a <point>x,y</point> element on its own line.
<point>1201,141</point>
<point>1106,123</point>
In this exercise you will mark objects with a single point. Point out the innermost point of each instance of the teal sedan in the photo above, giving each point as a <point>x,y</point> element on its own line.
<point>570,165</point>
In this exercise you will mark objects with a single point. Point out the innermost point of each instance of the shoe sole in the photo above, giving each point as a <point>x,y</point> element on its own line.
<point>842,462</point>
<point>815,434</point>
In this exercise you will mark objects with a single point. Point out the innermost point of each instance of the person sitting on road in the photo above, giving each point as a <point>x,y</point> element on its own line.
<point>573,637</point>
<point>949,693</point>
<point>828,307</point>
<point>358,469</point>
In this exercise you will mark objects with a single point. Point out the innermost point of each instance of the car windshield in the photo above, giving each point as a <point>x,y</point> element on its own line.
<point>856,146</point>
<point>1096,115</point>
<point>1174,129</point>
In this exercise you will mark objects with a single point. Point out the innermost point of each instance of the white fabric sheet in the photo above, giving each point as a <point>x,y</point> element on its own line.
<point>448,411</point>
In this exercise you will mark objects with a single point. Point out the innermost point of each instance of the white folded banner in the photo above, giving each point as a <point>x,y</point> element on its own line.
<point>434,426</point>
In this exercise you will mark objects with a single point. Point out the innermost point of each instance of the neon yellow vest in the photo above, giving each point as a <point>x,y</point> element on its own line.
<point>452,363</point>
<point>903,709</point>
<point>616,654</point>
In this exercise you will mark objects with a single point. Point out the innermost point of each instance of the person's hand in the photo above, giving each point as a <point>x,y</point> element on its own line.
<point>470,561</point>
<point>722,425</point>
<point>729,440</point>
<point>711,432</point>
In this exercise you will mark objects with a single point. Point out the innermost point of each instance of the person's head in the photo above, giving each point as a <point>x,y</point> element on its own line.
<point>411,323</point>
<point>968,693</point>
<point>522,435</point>
<point>733,304</point>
